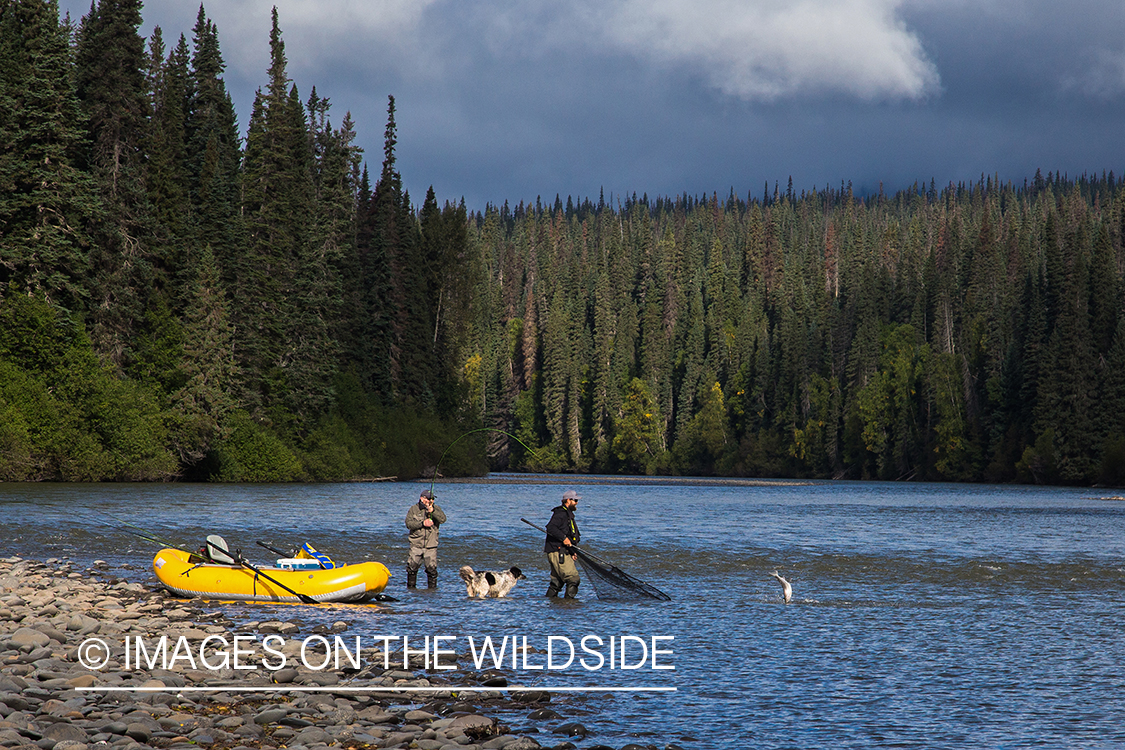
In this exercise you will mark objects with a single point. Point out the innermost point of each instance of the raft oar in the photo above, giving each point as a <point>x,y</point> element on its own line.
<point>258,571</point>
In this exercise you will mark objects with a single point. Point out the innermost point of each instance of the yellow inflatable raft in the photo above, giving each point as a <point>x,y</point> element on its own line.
<point>181,573</point>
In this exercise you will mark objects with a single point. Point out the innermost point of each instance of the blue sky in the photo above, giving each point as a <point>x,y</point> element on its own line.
<point>507,100</point>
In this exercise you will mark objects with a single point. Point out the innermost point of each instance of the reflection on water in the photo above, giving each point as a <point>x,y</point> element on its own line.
<point>924,615</point>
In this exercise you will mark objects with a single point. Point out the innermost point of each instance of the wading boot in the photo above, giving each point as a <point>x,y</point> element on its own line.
<point>411,579</point>
<point>431,579</point>
<point>552,590</point>
<point>571,591</point>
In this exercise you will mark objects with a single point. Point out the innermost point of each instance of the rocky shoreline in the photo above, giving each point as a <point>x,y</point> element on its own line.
<point>54,621</point>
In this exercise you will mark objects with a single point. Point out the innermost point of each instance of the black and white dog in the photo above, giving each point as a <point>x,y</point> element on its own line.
<point>492,583</point>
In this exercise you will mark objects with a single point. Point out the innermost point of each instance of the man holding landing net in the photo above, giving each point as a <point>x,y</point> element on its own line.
<point>562,532</point>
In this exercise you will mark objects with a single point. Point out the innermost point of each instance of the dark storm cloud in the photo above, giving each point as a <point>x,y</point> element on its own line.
<point>512,100</point>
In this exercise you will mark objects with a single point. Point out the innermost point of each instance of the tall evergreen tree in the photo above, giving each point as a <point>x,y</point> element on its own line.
<point>167,167</point>
<point>384,231</point>
<point>111,87</point>
<point>214,151</point>
<point>272,320</point>
<point>47,202</point>
<point>206,398</point>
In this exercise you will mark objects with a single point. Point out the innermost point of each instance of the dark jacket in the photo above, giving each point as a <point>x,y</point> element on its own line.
<point>562,525</point>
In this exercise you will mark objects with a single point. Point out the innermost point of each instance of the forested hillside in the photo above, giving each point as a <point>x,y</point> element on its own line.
<point>969,334</point>
<point>178,300</point>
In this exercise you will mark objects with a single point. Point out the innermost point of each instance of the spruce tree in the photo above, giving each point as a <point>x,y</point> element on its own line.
<point>214,153</point>
<point>111,87</point>
<point>329,246</point>
<point>277,329</point>
<point>167,167</point>
<point>47,201</point>
<point>203,403</point>
<point>383,230</point>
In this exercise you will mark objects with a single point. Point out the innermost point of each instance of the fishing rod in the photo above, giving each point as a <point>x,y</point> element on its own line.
<point>433,479</point>
<point>275,550</point>
<point>135,530</point>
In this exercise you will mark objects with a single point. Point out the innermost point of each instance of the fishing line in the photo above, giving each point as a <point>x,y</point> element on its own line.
<point>143,530</point>
<point>135,530</point>
<point>471,432</point>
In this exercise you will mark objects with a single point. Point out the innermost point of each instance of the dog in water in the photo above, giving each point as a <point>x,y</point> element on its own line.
<point>492,583</point>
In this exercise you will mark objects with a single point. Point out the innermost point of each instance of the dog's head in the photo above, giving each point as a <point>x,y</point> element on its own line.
<point>516,573</point>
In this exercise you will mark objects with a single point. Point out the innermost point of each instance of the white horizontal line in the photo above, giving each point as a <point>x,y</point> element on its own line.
<point>343,688</point>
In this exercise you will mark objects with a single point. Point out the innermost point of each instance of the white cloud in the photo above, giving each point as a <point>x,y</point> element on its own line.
<point>1104,78</point>
<point>751,49</point>
<point>316,30</point>
<point>764,49</point>
<point>379,18</point>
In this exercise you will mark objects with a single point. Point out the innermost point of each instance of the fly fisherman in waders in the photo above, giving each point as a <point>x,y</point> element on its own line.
<point>562,532</point>
<point>423,520</point>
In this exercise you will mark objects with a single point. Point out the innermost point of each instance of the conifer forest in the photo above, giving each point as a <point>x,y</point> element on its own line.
<point>182,298</point>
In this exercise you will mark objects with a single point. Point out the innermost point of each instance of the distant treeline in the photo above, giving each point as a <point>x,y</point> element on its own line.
<point>179,302</point>
<point>971,334</point>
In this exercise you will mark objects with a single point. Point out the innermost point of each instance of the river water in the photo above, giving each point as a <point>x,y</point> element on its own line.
<point>923,615</point>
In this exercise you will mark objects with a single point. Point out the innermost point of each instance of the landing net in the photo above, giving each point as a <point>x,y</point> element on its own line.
<point>611,582</point>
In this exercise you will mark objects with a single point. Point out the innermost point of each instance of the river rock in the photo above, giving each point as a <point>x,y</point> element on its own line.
<point>573,729</point>
<point>472,721</point>
<point>311,736</point>
<point>29,638</point>
<point>378,715</point>
<point>531,696</point>
<point>270,715</point>
<point>138,732</point>
<point>50,631</point>
<point>82,680</point>
<point>284,676</point>
<point>62,730</point>
<point>524,743</point>
<point>70,745</point>
<point>46,613</point>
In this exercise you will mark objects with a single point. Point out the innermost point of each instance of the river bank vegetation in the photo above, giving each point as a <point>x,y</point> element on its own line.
<point>181,301</point>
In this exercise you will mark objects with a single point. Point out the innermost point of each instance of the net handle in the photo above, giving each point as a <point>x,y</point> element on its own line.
<point>586,552</point>
<point>648,589</point>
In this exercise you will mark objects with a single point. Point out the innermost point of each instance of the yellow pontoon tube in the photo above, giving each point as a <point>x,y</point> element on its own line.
<point>349,583</point>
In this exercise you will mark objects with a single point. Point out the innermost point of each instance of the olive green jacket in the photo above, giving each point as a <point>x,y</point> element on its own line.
<point>421,536</point>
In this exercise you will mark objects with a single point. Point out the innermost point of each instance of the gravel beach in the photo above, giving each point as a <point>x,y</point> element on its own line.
<point>68,682</point>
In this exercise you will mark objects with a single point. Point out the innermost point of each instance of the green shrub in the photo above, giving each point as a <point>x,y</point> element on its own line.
<point>254,454</point>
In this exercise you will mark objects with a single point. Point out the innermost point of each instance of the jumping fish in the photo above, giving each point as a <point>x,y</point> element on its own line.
<point>788,590</point>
